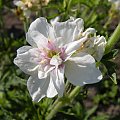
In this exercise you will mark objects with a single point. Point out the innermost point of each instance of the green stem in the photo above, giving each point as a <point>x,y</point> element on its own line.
<point>25,29</point>
<point>54,110</point>
<point>113,39</point>
<point>61,103</point>
<point>74,92</point>
<point>26,24</point>
<point>69,4</point>
<point>107,23</point>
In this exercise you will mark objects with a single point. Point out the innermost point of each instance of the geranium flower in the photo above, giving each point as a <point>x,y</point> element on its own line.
<point>56,51</point>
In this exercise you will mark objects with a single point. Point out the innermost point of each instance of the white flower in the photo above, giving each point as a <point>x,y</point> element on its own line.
<point>27,6</point>
<point>53,54</point>
<point>24,7</point>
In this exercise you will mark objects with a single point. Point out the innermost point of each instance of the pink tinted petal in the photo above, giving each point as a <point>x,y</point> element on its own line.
<point>51,45</point>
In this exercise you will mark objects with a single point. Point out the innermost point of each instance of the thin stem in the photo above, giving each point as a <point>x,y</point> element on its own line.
<point>58,99</point>
<point>74,92</point>
<point>35,110</point>
<point>60,104</point>
<point>25,29</point>
<point>26,24</point>
<point>107,23</point>
<point>54,110</point>
<point>69,4</point>
<point>113,39</point>
<point>66,87</point>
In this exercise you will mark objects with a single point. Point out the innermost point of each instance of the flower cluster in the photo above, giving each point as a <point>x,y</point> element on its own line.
<point>27,6</point>
<point>59,50</point>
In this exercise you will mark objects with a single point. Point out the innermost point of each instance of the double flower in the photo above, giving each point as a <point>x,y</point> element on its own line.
<point>56,51</point>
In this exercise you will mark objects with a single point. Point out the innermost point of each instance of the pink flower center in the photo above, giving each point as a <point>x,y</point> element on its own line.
<point>52,55</point>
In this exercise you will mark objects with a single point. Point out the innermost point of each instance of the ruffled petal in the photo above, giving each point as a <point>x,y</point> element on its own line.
<point>89,31</point>
<point>39,88</point>
<point>95,46</point>
<point>74,46</point>
<point>53,21</point>
<point>42,26</point>
<point>57,76</point>
<point>80,70</point>
<point>56,61</point>
<point>36,39</point>
<point>100,44</point>
<point>43,71</point>
<point>67,29</point>
<point>23,49</point>
<point>27,59</point>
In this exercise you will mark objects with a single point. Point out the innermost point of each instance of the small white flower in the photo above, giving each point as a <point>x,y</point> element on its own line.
<point>22,5</point>
<point>28,6</point>
<point>53,54</point>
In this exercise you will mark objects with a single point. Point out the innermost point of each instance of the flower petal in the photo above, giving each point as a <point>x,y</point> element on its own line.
<point>95,46</point>
<point>27,59</point>
<point>42,26</point>
<point>19,4</point>
<point>66,29</point>
<point>39,88</point>
<point>74,46</point>
<point>44,70</point>
<point>53,21</point>
<point>99,47</point>
<point>83,59</point>
<point>51,91</point>
<point>89,31</point>
<point>81,70</point>
<point>23,49</point>
<point>56,60</point>
<point>36,39</point>
<point>57,76</point>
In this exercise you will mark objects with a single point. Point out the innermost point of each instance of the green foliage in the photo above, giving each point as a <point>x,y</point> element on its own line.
<point>0,4</point>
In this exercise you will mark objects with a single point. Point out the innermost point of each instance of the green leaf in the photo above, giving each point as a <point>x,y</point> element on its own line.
<point>111,54</point>
<point>90,112</point>
<point>101,117</point>
<point>0,4</point>
<point>113,78</point>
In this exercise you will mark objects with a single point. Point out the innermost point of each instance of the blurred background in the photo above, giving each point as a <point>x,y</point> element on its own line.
<point>99,101</point>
